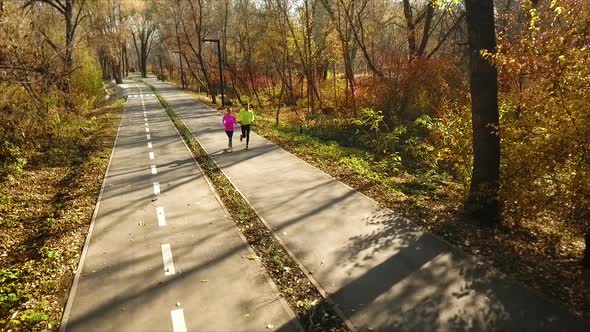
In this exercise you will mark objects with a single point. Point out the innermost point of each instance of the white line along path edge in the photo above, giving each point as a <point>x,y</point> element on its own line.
<point>167,258</point>
<point>178,324</point>
<point>66,313</point>
<point>161,216</point>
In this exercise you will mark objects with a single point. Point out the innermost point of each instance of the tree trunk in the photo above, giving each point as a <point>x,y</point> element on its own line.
<point>279,106</point>
<point>69,51</point>
<point>411,28</point>
<point>483,202</point>
<point>143,60</point>
<point>117,71</point>
<point>586,260</point>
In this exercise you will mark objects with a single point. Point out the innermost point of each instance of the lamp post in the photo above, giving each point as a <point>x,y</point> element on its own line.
<point>220,68</point>
<point>181,70</point>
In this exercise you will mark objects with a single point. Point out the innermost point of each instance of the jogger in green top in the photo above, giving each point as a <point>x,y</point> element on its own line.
<point>245,118</point>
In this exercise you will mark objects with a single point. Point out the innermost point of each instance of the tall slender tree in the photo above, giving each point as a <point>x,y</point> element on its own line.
<point>483,202</point>
<point>143,30</point>
<point>71,10</point>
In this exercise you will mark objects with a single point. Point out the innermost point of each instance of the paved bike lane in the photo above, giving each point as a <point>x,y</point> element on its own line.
<point>162,254</point>
<point>382,271</point>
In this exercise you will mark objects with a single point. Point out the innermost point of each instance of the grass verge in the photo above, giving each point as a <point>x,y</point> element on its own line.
<point>313,312</point>
<point>45,210</point>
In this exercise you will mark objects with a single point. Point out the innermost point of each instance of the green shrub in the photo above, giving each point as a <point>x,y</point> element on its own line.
<point>362,167</point>
<point>10,293</point>
<point>87,86</point>
<point>14,161</point>
<point>32,317</point>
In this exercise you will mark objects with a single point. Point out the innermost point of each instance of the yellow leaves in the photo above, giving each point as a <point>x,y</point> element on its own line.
<point>534,19</point>
<point>557,9</point>
<point>561,59</point>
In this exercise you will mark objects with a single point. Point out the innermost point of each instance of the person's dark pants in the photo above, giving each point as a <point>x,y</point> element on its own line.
<point>246,133</point>
<point>229,134</point>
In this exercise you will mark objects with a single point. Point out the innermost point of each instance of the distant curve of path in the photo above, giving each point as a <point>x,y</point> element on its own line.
<point>381,270</point>
<point>163,255</point>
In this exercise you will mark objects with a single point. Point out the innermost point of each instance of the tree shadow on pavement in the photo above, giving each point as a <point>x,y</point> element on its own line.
<point>415,281</point>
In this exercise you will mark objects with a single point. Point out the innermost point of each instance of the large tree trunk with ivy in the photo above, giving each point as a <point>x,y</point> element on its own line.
<point>483,202</point>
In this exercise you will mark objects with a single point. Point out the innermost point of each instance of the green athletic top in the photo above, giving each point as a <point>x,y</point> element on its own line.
<point>245,117</point>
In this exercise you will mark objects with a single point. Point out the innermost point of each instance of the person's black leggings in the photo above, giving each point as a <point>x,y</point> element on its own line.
<point>229,134</point>
<point>246,133</point>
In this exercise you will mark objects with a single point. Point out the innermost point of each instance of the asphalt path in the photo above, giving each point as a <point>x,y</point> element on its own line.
<point>162,254</point>
<point>381,270</point>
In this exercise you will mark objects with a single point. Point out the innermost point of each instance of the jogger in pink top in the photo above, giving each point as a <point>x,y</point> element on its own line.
<point>229,122</point>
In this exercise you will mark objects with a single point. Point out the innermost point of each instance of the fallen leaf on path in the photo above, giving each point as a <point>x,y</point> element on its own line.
<point>251,257</point>
<point>178,304</point>
<point>204,280</point>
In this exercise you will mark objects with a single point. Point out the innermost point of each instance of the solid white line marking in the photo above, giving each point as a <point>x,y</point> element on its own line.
<point>168,263</point>
<point>147,130</point>
<point>148,136</point>
<point>149,145</point>
<point>156,188</point>
<point>152,156</point>
<point>178,324</point>
<point>161,216</point>
<point>154,170</point>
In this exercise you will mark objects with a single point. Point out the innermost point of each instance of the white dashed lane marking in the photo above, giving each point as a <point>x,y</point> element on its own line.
<point>156,188</point>
<point>178,324</point>
<point>147,130</point>
<point>161,216</point>
<point>154,170</point>
<point>152,156</point>
<point>148,136</point>
<point>167,257</point>
<point>149,145</point>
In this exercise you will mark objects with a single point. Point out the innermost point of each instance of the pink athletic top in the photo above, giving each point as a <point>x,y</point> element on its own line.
<point>229,121</point>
